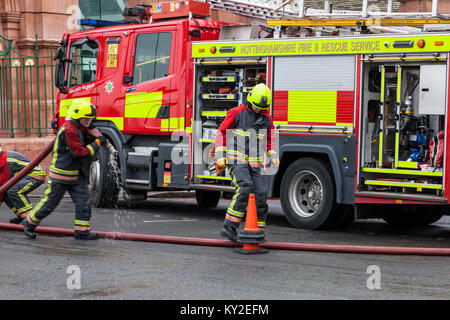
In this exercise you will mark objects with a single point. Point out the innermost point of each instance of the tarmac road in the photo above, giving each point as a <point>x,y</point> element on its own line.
<point>113,269</point>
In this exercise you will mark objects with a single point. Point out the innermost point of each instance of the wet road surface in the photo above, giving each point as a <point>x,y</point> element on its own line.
<point>113,269</point>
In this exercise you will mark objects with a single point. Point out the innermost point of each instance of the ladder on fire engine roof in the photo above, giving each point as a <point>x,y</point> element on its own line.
<point>294,13</point>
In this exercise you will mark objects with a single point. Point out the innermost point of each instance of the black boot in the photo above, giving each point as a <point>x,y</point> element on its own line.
<point>230,233</point>
<point>16,220</point>
<point>85,235</point>
<point>29,229</point>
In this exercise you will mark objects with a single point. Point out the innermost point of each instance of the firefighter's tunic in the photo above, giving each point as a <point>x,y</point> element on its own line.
<point>66,175</point>
<point>244,137</point>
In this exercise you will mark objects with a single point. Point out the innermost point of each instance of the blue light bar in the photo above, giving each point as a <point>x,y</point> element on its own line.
<point>99,23</point>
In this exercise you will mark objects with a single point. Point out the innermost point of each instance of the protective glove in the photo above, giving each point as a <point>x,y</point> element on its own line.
<point>222,163</point>
<point>275,162</point>
<point>100,140</point>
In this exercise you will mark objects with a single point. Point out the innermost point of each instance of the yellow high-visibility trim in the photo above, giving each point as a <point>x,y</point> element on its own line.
<point>173,124</point>
<point>23,198</point>
<point>118,121</point>
<point>405,172</point>
<point>91,150</point>
<point>319,46</point>
<point>214,113</point>
<point>236,193</point>
<point>64,172</point>
<point>164,124</point>
<point>407,164</point>
<point>380,150</point>
<point>53,167</point>
<point>300,102</point>
<point>213,177</point>
<point>36,170</point>
<point>143,104</point>
<point>241,132</point>
<point>399,83</point>
<point>403,184</point>
<point>281,122</point>
<point>25,209</point>
<point>82,222</point>
<point>181,125</point>
<point>383,71</point>
<point>235,213</point>
<point>41,203</point>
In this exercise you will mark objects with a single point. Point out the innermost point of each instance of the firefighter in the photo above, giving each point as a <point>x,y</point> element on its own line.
<point>16,197</point>
<point>66,172</point>
<point>242,139</point>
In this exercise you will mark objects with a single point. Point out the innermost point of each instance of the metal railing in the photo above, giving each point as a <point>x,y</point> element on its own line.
<point>27,92</point>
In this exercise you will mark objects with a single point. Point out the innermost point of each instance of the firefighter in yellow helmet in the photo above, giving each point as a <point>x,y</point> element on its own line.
<point>71,147</point>
<point>243,140</point>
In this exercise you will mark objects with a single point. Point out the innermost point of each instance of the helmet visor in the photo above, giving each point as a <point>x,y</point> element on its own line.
<point>263,104</point>
<point>93,112</point>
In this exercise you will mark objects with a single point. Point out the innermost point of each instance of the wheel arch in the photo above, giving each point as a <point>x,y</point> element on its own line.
<point>292,152</point>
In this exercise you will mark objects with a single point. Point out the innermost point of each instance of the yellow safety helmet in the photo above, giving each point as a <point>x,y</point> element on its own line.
<point>260,97</point>
<point>82,109</point>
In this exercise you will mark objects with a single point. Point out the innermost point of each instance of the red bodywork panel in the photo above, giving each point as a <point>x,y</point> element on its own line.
<point>138,107</point>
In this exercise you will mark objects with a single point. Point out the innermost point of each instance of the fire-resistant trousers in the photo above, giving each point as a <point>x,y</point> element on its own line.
<point>54,193</point>
<point>247,180</point>
<point>16,197</point>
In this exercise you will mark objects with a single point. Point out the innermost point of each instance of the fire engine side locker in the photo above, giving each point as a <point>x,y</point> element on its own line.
<point>211,107</point>
<point>401,174</point>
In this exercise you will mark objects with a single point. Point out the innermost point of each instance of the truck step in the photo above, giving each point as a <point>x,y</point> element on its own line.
<point>212,187</point>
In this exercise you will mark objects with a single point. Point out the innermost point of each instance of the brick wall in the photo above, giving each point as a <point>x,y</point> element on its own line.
<point>29,147</point>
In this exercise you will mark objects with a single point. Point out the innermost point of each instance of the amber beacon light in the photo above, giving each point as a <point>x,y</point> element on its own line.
<point>421,43</point>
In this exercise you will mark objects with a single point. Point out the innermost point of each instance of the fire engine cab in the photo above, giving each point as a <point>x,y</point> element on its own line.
<point>361,121</point>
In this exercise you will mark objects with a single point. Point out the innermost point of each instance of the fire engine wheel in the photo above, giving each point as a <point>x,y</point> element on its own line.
<point>412,216</point>
<point>103,182</point>
<point>307,195</point>
<point>207,198</point>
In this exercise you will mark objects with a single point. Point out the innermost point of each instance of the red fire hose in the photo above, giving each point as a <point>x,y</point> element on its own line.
<point>215,242</point>
<point>226,243</point>
<point>22,173</point>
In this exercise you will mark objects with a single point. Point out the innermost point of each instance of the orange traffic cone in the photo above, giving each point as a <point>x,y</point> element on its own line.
<point>251,235</point>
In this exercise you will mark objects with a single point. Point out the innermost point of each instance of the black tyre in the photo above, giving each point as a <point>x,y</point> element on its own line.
<point>412,216</point>
<point>308,195</point>
<point>207,198</point>
<point>103,179</point>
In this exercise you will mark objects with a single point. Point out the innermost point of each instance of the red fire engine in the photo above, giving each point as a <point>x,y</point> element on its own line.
<point>362,122</point>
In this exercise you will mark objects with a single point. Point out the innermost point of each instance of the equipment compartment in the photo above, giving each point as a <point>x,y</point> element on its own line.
<point>402,129</point>
<point>218,89</point>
